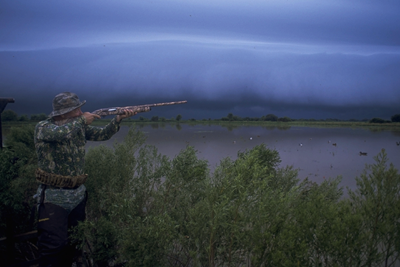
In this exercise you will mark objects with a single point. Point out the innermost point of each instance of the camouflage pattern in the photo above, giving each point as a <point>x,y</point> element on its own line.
<point>64,103</point>
<point>61,150</point>
<point>138,109</point>
<point>65,198</point>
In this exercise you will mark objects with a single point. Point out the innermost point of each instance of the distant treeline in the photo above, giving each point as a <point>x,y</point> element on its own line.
<point>10,115</point>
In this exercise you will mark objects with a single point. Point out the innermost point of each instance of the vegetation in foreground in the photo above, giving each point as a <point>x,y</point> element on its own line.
<point>145,209</point>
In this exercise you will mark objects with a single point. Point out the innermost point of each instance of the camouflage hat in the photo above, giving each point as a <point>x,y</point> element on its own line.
<point>64,103</point>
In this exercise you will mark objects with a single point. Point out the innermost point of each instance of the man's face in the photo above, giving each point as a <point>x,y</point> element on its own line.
<point>73,114</point>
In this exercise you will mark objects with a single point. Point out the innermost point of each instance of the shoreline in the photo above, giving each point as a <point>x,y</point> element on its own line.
<point>348,124</point>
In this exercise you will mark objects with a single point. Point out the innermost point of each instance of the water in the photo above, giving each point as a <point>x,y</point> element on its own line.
<point>310,150</point>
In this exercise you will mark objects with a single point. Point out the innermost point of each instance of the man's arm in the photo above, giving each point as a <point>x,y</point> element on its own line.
<point>93,133</point>
<point>90,117</point>
<point>128,113</point>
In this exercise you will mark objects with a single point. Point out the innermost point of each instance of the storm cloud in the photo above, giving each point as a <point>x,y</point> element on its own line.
<point>298,58</point>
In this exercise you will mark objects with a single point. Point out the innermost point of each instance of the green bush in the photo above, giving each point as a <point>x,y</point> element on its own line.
<point>248,212</point>
<point>23,118</point>
<point>395,118</point>
<point>39,117</point>
<point>377,120</point>
<point>121,188</point>
<point>269,117</point>
<point>377,200</point>
<point>285,119</point>
<point>9,115</point>
<point>17,181</point>
<point>145,209</point>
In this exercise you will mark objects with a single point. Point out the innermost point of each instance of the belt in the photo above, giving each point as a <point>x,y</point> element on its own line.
<point>60,181</point>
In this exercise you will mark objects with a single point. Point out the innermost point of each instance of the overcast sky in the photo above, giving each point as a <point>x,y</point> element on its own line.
<point>297,58</point>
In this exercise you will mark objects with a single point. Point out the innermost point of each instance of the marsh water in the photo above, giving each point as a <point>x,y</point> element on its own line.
<point>317,153</point>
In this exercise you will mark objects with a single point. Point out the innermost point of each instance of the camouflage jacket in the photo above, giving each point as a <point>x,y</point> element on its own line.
<point>60,147</point>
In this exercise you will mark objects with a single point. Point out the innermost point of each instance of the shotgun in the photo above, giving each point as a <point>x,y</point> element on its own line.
<point>141,108</point>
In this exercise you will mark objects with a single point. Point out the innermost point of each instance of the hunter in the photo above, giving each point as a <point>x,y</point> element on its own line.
<point>60,146</point>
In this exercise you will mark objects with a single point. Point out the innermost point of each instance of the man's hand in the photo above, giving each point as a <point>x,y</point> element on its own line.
<point>90,117</point>
<point>128,113</point>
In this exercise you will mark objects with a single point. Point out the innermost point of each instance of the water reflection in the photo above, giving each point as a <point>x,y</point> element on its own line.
<point>140,125</point>
<point>396,133</point>
<point>280,127</point>
<point>231,127</point>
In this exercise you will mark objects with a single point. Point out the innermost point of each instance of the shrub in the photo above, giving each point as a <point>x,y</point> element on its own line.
<point>9,115</point>
<point>145,209</point>
<point>377,120</point>
<point>396,118</point>
<point>23,118</point>
<point>377,200</point>
<point>284,119</point>
<point>38,117</point>
<point>269,117</point>
<point>121,187</point>
<point>17,182</point>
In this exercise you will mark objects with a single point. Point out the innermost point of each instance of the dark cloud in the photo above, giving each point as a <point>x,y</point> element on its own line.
<point>298,59</point>
<point>212,78</point>
<point>89,22</point>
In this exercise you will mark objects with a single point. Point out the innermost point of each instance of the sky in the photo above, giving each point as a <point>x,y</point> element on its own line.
<point>295,58</point>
